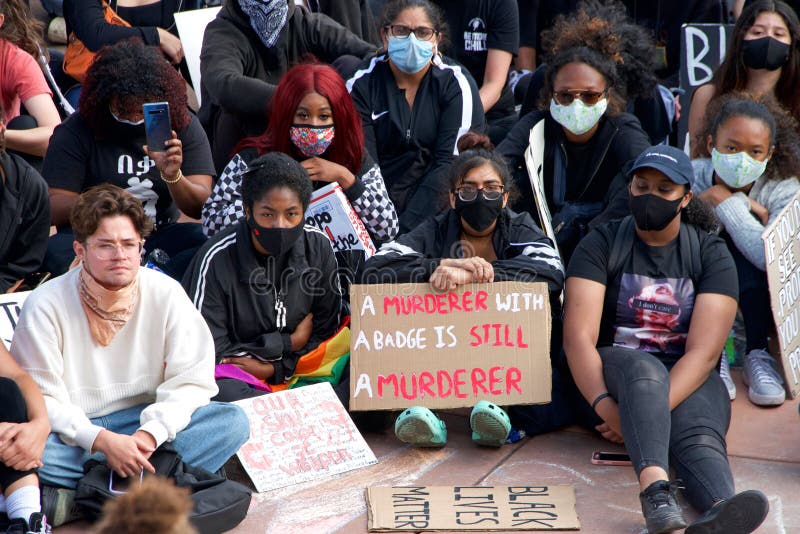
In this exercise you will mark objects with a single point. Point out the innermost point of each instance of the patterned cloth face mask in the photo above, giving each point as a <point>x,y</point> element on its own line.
<point>312,141</point>
<point>737,170</point>
<point>577,117</point>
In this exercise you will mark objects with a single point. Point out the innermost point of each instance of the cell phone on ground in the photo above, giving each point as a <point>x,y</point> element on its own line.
<point>610,458</point>
<point>157,125</point>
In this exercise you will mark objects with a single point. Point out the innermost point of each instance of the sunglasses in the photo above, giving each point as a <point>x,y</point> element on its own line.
<point>590,98</point>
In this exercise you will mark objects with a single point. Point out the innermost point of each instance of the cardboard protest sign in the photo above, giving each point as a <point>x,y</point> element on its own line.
<point>299,435</point>
<point>782,251</point>
<point>331,212</point>
<point>10,306</point>
<point>191,27</point>
<point>412,345</point>
<point>703,48</point>
<point>476,508</point>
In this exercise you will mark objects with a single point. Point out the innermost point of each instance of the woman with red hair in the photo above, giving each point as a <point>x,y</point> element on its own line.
<point>314,121</point>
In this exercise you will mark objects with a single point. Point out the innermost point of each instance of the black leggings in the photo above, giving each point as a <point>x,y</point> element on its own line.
<point>691,438</point>
<point>12,410</point>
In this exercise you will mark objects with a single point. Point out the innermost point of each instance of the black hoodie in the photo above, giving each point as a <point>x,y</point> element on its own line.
<point>24,220</point>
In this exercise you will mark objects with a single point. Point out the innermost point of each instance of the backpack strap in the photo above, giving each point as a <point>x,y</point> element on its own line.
<point>621,247</point>
<point>691,260</point>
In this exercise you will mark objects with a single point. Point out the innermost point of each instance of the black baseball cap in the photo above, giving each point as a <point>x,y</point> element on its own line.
<point>671,161</point>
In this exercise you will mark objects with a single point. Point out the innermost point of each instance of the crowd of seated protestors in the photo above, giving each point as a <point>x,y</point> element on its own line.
<point>432,154</point>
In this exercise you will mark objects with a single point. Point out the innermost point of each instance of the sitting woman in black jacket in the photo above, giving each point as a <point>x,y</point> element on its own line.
<point>267,286</point>
<point>584,146</point>
<point>478,240</point>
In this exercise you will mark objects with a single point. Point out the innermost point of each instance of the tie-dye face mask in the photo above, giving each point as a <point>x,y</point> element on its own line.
<point>311,140</point>
<point>737,170</point>
<point>577,117</point>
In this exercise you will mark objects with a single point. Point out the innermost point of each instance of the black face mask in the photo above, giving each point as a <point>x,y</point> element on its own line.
<point>765,53</point>
<point>480,213</point>
<point>652,212</point>
<point>276,241</point>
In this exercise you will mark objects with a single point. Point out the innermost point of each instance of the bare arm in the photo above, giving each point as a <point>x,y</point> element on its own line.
<point>494,76</point>
<point>526,58</point>
<point>711,322</point>
<point>35,140</point>
<point>61,202</point>
<point>188,192</point>
<point>700,99</point>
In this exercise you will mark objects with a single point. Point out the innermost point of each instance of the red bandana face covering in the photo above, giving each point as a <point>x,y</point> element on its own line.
<point>311,140</point>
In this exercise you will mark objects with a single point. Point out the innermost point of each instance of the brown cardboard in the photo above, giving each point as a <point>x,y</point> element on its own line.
<point>479,342</point>
<point>782,251</point>
<point>473,508</point>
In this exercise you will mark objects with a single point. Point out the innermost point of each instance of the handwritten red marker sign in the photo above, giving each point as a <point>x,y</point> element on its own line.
<point>411,345</point>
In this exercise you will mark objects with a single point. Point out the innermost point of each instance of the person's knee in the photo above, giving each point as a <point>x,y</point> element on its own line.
<point>22,122</point>
<point>235,420</point>
<point>647,368</point>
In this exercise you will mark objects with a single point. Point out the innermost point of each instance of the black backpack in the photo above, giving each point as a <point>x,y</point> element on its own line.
<point>219,504</point>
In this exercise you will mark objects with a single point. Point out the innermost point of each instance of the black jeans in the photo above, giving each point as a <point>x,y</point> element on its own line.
<point>753,299</point>
<point>691,438</point>
<point>12,410</point>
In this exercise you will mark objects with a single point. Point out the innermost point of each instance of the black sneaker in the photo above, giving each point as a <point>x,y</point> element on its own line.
<point>58,504</point>
<point>661,511</point>
<point>37,524</point>
<point>741,514</point>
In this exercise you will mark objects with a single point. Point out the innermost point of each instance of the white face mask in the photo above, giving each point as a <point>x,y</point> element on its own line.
<point>737,170</point>
<point>126,121</point>
<point>577,117</point>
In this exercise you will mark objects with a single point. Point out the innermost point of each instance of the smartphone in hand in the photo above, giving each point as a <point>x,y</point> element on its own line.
<point>157,125</point>
<point>610,458</point>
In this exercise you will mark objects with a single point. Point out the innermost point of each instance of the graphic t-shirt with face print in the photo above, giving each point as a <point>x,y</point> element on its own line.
<point>649,302</point>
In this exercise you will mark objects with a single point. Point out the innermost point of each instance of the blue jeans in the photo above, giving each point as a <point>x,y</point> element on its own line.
<point>214,434</point>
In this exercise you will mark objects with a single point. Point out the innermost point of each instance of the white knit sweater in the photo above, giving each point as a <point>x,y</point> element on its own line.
<point>163,356</point>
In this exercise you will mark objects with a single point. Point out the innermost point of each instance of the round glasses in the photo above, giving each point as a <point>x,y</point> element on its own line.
<point>468,193</point>
<point>107,251</point>
<point>590,98</point>
<point>401,31</point>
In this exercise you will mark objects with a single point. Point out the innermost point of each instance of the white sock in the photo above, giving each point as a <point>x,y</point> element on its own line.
<point>23,502</point>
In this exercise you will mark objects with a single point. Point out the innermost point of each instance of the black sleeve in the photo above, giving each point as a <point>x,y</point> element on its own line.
<point>86,19</point>
<point>617,202</point>
<point>590,259</point>
<point>29,242</point>
<point>223,60</point>
<point>326,307</point>
<point>360,94</point>
<point>528,11</point>
<point>631,139</point>
<point>719,270</point>
<point>206,274</point>
<point>65,163</point>
<point>461,111</point>
<point>409,258</point>
<point>196,150</point>
<point>513,147</point>
<point>538,260</point>
<point>329,39</point>
<point>504,27</point>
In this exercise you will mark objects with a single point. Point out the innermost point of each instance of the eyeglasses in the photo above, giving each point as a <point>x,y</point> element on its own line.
<point>468,193</point>
<point>107,251</point>
<point>401,31</point>
<point>590,98</point>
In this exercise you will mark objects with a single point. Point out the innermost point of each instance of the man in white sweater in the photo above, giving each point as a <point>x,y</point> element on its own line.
<point>124,360</point>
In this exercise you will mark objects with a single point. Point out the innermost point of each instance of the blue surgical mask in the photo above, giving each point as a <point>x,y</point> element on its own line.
<point>737,170</point>
<point>410,55</point>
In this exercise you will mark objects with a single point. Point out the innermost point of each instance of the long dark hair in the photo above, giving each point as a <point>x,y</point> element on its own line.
<point>393,8</point>
<point>732,73</point>
<point>21,27</point>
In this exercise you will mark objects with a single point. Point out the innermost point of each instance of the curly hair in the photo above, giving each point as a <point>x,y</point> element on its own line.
<point>154,506</point>
<point>604,26</point>
<point>131,74</point>
<point>347,147</point>
<point>785,161</point>
<point>731,75</point>
<point>21,27</point>
<point>582,54</point>
<point>700,214</point>
<point>99,202</point>
<point>273,170</point>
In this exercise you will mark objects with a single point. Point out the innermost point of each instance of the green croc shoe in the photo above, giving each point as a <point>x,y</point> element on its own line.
<point>490,424</point>
<point>420,427</point>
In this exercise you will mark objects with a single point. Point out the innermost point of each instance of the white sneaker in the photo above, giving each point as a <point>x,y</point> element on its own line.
<point>725,374</point>
<point>764,381</point>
